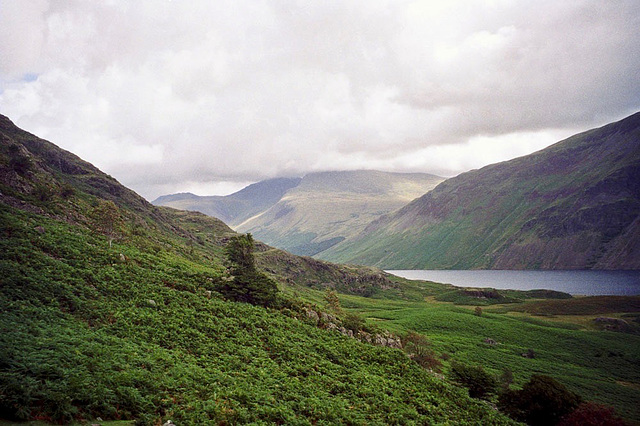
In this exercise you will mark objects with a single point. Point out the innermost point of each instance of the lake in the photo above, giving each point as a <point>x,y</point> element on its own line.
<point>589,283</point>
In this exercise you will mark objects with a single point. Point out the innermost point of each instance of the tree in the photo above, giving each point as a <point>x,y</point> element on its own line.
<point>419,349</point>
<point>506,379</point>
<point>246,283</point>
<point>541,401</point>
<point>107,219</point>
<point>333,303</point>
<point>475,378</point>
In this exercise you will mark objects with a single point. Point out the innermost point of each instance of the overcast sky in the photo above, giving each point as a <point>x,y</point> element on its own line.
<point>208,96</point>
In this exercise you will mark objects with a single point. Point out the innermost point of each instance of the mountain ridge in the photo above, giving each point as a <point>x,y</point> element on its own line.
<point>328,207</point>
<point>573,205</point>
<point>310,214</point>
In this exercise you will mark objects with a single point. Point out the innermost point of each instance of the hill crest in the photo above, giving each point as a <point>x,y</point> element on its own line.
<point>573,205</point>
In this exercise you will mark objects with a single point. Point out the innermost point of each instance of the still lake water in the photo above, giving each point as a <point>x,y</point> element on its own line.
<point>589,283</point>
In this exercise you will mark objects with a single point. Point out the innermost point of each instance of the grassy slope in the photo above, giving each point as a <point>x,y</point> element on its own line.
<point>86,333</point>
<point>328,207</point>
<point>600,365</point>
<point>572,205</point>
<point>127,329</point>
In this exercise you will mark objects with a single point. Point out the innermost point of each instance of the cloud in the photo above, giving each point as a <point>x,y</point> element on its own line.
<point>171,96</point>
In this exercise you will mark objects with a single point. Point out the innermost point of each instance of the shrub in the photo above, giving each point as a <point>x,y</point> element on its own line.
<point>506,379</point>
<point>353,322</point>
<point>333,303</point>
<point>542,401</point>
<point>592,414</point>
<point>19,162</point>
<point>475,378</point>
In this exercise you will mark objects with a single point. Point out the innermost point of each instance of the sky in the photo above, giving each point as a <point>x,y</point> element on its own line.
<point>208,96</point>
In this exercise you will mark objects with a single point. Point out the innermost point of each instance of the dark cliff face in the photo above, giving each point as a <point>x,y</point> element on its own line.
<point>571,205</point>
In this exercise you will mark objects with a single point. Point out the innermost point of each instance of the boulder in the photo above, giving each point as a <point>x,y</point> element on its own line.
<point>313,316</point>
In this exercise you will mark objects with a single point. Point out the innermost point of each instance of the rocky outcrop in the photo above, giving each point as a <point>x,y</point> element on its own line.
<point>612,324</point>
<point>331,322</point>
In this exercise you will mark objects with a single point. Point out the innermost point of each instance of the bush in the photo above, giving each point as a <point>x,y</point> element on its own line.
<point>542,401</point>
<point>592,414</point>
<point>419,349</point>
<point>19,162</point>
<point>353,322</point>
<point>475,378</point>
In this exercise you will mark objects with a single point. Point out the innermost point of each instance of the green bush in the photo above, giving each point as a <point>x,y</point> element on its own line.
<point>475,378</point>
<point>542,401</point>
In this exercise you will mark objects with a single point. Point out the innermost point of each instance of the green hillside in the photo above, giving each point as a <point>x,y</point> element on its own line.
<point>327,208</point>
<point>110,308</point>
<point>117,309</point>
<point>573,205</point>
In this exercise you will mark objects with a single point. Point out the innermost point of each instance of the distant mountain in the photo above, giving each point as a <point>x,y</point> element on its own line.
<point>575,204</point>
<point>237,207</point>
<point>326,208</point>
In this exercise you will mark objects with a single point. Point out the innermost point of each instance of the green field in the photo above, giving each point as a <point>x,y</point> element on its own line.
<point>602,366</point>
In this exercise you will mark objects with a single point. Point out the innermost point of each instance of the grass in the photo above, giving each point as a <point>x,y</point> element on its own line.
<point>87,332</point>
<point>117,316</point>
<point>602,366</point>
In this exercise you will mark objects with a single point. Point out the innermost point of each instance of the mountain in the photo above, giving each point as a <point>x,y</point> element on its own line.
<point>237,207</point>
<point>111,308</point>
<point>573,205</point>
<point>326,208</point>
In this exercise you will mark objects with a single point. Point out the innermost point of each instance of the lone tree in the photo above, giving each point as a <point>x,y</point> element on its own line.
<point>107,219</point>
<point>542,401</point>
<point>479,383</point>
<point>246,284</point>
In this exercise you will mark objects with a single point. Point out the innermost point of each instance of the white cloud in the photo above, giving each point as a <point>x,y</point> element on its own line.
<point>172,95</point>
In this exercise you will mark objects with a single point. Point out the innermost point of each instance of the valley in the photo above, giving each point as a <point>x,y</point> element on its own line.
<point>118,309</point>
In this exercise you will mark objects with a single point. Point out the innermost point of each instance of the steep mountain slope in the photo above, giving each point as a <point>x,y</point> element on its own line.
<point>326,208</point>
<point>573,205</point>
<point>109,309</point>
<point>237,207</point>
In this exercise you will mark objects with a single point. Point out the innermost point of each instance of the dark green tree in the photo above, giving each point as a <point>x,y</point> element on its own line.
<point>475,378</point>
<point>246,283</point>
<point>541,401</point>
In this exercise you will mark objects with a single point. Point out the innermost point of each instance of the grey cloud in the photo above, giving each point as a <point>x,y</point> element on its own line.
<point>163,94</point>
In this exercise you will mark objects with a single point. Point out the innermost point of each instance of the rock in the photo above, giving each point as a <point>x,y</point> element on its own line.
<point>208,293</point>
<point>327,317</point>
<point>151,302</point>
<point>168,423</point>
<point>123,258</point>
<point>363,336</point>
<point>612,324</point>
<point>490,342</point>
<point>394,343</point>
<point>40,229</point>
<point>346,332</point>
<point>313,315</point>
<point>380,340</point>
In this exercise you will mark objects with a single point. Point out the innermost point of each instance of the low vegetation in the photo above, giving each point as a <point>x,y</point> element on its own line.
<point>116,309</point>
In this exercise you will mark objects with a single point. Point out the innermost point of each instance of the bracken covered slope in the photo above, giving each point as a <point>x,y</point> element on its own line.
<point>109,309</point>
